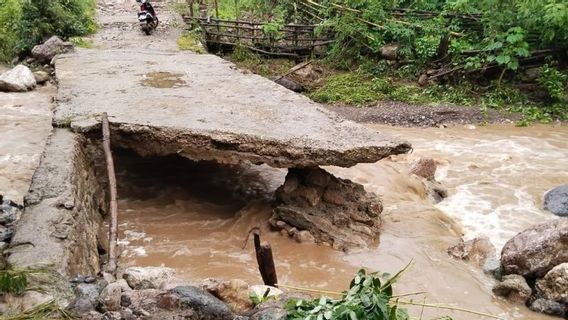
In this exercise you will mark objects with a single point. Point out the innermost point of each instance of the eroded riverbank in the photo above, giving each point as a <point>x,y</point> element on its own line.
<point>171,223</point>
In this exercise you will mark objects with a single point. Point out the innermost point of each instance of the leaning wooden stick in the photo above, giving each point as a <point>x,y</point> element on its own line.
<point>265,261</point>
<point>113,225</point>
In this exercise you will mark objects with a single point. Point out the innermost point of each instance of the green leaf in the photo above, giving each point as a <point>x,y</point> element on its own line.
<point>502,59</point>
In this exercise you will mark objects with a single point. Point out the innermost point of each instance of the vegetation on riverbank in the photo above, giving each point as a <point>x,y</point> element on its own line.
<point>508,55</point>
<point>24,24</point>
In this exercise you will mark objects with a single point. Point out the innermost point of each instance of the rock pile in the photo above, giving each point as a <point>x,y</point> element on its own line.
<point>144,293</point>
<point>535,265</point>
<point>334,211</point>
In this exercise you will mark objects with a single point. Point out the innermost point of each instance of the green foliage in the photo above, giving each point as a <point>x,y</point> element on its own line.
<point>10,16</point>
<point>349,88</point>
<point>24,24</point>
<point>13,281</point>
<point>506,48</point>
<point>554,82</point>
<point>190,41</point>
<point>81,42</point>
<point>368,298</point>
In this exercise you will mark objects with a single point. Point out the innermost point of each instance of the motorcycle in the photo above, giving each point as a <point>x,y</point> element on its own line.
<point>147,17</point>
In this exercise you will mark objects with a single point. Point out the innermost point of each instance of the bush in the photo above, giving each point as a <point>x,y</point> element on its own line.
<point>10,17</point>
<point>25,23</point>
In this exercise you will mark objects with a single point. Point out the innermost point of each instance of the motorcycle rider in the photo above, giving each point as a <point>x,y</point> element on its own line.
<point>145,5</point>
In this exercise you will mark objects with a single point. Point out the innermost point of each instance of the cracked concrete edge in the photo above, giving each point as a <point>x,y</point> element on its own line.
<point>232,148</point>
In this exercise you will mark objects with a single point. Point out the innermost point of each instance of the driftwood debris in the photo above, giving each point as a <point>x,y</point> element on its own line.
<point>113,224</point>
<point>265,261</point>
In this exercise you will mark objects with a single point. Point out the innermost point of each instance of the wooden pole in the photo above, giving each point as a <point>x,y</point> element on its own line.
<point>113,224</point>
<point>265,261</point>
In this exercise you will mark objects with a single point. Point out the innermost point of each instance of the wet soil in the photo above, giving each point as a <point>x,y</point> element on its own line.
<point>408,115</point>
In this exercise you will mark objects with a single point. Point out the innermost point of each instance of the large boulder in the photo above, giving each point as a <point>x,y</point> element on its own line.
<point>533,252</point>
<point>45,52</point>
<point>203,303</point>
<point>514,288</point>
<point>18,79</point>
<point>335,211</point>
<point>147,277</point>
<point>554,285</point>
<point>476,251</point>
<point>556,201</point>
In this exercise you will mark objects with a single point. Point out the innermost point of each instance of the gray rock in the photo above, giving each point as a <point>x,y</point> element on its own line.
<point>203,303</point>
<point>556,201</point>
<point>112,315</point>
<point>554,285</point>
<point>18,79</point>
<point>45,52</point>
<point>492,266</point>
<point>147,277</point>
<point>533,252</point>
<point>270,314</point>
<point>549,307</point>
<point>436,191</point>
<point>87,290</point>
<point>389,51</point>
<point>9,211</point>
<point>92,315</point>
<point>41,77</point>
<point>111,295</point>
<point>514,288</point>
<point>290,84</point>
<point>477,251</point>
<point>146,299</point>
<point>6,233</point>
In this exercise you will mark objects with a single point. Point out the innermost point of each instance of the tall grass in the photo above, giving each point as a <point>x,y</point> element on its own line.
<point>25,23</point>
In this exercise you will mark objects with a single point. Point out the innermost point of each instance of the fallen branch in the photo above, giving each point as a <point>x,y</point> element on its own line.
<point>294,69</point>
<point>113,225</point>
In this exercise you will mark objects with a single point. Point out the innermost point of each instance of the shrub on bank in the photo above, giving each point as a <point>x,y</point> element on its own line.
<point>25,23</point>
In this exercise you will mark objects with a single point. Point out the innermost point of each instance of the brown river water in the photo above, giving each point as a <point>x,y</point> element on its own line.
<point>195,217</point>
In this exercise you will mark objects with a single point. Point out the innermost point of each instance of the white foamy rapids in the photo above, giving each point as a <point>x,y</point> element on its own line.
<point>498,182</point>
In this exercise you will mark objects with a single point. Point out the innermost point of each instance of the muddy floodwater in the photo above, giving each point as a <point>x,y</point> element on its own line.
<point>25,123</point>
<point>194,217</point>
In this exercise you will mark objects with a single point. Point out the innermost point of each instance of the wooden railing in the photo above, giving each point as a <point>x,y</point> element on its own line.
<point>290,40</point>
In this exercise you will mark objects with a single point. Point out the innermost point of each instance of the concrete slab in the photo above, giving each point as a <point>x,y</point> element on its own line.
<point>203,107</point>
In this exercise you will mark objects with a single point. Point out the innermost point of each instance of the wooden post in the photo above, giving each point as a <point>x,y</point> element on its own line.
<point>265,261</point>
<point>113,224</point>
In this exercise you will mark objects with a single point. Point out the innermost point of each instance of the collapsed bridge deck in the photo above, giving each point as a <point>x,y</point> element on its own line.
<point>203,107</point>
